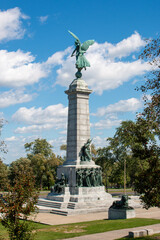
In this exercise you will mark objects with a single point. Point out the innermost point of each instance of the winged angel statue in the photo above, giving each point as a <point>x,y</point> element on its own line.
<point>80,49</point>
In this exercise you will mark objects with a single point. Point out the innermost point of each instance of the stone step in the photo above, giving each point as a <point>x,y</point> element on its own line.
<point>59,212</point>
<point>50,204</point>
<point>71,205</point>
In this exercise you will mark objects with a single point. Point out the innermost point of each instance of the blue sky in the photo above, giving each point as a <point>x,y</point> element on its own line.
<point>36,67</point>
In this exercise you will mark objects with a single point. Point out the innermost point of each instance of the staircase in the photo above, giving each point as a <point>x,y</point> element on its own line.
<point>49,204</point>
<point>59,212</point>
<point>71,205</point>
<point>53,207</point>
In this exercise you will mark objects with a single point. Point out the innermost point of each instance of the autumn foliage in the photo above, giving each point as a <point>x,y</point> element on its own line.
<point>17,205</point>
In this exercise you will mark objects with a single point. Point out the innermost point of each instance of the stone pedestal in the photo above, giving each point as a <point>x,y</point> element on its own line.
<point>85,194</point>
<point>121,213</point>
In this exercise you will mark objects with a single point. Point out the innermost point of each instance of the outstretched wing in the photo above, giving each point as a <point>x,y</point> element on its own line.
<point>74,36</point>
<point>86,44</point>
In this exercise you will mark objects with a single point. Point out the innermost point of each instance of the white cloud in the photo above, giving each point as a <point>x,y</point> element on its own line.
<point>106,72</point>
<point>58,58</point>
<point>126,46</point>
<point>111,75</point>
<point>13,97</point>
<point>38,119</point>
<point>106,123</point>
<point>17,69</point>
<point>129,105</point>
<point>99,141</point>
<point>11,24</point>
<point>33,128</point>
<point>56,143</point>
<point>43,19</point>
<point>11,139</point>
<point>110,113</point>
<point>63,132</point>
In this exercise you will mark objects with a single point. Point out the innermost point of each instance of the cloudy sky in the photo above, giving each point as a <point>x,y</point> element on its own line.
<point>36,67</point>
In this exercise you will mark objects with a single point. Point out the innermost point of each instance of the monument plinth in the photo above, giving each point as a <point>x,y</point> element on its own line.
<point>79,179</point>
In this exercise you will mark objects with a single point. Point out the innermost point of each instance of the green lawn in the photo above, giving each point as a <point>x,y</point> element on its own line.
<point>46,232</point>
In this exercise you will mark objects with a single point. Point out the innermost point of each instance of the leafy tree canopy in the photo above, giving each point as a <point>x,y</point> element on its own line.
<point>39,146</point>
<point>18,204</point>
<point>152,85</point>
<point>3,175</point>
<point>43,162</point>
<point>135,142</point>
<point>3,147</point>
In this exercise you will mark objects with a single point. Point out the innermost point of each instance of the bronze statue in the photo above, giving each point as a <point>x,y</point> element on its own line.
<point>80,49</point>
<point>85,151</point>
<point>59,184</point>
<point>122,204</point>
<point>79,174</point>
<point>86,178</point>
<point>93,177</point>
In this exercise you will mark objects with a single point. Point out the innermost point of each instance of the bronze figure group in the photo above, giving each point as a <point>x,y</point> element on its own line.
<point>89,177</point>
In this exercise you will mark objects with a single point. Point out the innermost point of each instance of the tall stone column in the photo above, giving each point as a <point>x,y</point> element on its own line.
<point>78,130</point>
<point>79,180</point>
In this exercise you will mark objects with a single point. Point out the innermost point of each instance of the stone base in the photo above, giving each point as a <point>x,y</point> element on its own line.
<point>121,213</point>
<point>81,194</point>
<point>78,200</point>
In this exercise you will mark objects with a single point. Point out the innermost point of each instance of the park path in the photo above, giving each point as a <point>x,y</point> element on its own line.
<point>53,219</point>
<point>115,234</point>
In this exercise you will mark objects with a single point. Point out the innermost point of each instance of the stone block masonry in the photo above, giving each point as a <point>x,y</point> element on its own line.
<point>78,120</point>
<point>79,180</point>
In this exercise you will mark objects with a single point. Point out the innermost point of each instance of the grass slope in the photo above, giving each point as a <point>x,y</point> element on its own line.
<point>46,232</point>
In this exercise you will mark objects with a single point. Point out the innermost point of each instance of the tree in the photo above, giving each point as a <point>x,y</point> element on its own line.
<point>151,111</point>
<point>50,170</point>
<point>63,147</point>
<point>105,160</point>
<point>18,204</point>
<point>3,147</point>
<point>94,152</point>
<point>20,165</point>
<point>149,186</point>
<point>3,167</point>
<point>136,142</point>
<point>43,162</point>
<point>3,175</point>
<point>147,182</point>
<point>39,146</point>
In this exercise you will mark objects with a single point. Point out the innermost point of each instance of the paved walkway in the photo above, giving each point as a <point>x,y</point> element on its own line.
<point>53,219</point>
<point>115,234</point>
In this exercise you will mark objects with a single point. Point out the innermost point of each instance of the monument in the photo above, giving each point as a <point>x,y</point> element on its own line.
<point>78,187</point>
